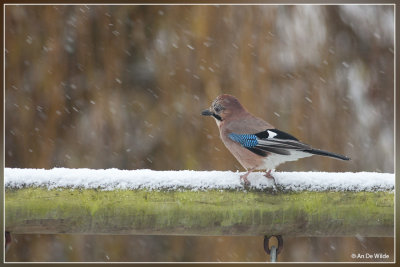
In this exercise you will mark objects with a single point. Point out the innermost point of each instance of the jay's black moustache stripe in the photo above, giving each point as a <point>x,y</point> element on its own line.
<point>217,117</point>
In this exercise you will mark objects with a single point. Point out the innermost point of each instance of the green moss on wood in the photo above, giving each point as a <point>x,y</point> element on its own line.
<point>214,212</point>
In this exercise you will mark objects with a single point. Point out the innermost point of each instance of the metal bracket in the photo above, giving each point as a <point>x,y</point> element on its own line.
<point>273,251</point>
<point>7,240</point>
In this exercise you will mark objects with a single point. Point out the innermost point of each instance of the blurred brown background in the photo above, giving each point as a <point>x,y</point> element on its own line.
<point>123,87</point>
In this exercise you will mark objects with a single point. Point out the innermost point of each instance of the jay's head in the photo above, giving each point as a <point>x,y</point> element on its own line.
<point>223,107</point>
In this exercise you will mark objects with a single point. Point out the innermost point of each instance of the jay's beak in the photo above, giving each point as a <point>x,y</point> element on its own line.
<point>206,112</point>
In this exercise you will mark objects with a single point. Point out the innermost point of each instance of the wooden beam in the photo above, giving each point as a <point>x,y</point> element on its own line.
<point>213,212</point>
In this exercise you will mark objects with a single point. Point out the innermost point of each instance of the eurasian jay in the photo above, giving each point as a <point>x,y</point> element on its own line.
<point>255,143</point>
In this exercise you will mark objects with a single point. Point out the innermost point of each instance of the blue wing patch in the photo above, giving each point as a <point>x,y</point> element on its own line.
<point>246,140</point>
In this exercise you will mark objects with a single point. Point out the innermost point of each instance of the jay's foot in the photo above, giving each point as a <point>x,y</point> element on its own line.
<point>244,178</point>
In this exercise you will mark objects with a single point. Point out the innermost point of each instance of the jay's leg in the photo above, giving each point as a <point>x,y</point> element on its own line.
<point>269,175</point>
<point>244,177</point>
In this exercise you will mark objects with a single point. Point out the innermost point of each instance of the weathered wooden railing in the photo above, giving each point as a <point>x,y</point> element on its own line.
<point>198,203</point>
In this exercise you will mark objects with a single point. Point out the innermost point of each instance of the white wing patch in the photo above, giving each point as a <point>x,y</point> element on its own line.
<point>271,134</point>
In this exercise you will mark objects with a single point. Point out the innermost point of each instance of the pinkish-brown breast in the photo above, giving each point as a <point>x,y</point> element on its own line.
<point>247,159</point>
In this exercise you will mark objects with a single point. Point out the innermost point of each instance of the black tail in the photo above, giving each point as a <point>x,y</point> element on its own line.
<point>326,153</point>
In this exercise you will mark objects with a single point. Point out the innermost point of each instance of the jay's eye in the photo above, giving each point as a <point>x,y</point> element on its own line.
<point>217,109</point>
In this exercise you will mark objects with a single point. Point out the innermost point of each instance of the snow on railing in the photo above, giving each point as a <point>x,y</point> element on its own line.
<point>110,179</point>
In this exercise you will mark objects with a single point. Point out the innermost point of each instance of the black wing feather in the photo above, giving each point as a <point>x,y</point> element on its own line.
<point>258,151</point>
<point>281,143</point>
<point>279,135</point>
<point>262,150</point>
